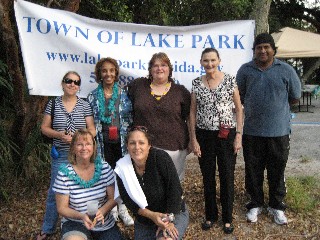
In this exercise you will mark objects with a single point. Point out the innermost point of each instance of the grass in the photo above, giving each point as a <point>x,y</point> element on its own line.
<point>303,194</point>
<point>305,159</point>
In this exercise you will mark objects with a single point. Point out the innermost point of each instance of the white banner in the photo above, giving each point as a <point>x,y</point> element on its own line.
<point>55,41</point>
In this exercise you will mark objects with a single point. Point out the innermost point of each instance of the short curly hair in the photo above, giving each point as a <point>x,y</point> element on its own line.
<point>164,58</point>
<point>99,64</point>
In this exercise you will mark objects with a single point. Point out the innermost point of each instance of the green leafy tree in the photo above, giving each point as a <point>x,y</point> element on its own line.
<point>301,14</point>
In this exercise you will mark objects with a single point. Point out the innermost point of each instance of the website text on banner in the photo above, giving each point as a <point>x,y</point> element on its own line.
<point>54,42</point>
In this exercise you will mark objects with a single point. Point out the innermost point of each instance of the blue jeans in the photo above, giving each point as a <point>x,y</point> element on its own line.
<point>51,216</point>
<point>148,232</point>
<point>72,228</point>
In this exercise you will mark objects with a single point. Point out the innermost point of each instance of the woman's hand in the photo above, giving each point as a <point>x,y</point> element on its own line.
<point>156,217</point>
<point>99,217</point>
<point>196,148</point>
<point>91,224</point>
<point>65,137</point>
<point>170,232</point>
<point>237,144</point>
<point>87,222</point>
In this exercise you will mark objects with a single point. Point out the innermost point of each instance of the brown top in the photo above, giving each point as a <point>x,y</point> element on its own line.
<point>164,118</point>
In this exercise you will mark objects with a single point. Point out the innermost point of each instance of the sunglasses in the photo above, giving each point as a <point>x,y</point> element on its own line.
<point>69,81</point>
<point>139,128</point>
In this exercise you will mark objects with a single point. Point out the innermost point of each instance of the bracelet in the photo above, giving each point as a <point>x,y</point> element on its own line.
<point>238,132</point>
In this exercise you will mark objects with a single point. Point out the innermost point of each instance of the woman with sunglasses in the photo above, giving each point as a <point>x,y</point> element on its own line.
<point>112,116</point>
<point>149,185</point>
<point>70,113</point>
<point>163,107</point>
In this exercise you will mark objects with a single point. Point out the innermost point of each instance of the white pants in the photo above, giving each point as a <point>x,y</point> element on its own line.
<point>179,160</point>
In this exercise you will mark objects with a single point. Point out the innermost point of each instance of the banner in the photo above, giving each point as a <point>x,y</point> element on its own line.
<point>55,41</point>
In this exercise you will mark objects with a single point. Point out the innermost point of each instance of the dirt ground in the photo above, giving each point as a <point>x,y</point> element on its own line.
<point>21,218</point>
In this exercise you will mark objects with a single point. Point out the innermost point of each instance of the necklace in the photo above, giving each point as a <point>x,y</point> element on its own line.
<point>140,173</point>
<point>111,104</point>
<point>208,79</point>
<point>158,97</point>
<point>141,169</point>
<point>72,175</point>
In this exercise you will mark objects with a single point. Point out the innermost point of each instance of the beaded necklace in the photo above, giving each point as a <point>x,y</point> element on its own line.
<point>72,175</point>
<point>111,104</point>
<point>158,97</point>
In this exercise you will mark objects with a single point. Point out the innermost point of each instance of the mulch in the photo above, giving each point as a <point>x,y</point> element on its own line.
<point>21,216</point>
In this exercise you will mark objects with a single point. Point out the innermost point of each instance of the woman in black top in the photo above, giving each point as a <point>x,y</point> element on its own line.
<point>149,186</point>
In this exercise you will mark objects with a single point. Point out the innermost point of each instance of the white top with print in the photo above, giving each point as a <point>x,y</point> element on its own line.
<point>214,106</point>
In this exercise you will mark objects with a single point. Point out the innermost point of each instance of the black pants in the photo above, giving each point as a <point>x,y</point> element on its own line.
<point>269,153</point>
<point>219,151</point>
<point>112,149</point>
<point>112,153</point>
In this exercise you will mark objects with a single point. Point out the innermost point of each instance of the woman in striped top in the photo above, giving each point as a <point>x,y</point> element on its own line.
<point>85,178</point>
<point>70,113</point>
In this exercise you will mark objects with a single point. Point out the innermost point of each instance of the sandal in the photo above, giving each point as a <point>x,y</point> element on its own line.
<point>42,236</point>
<point>206,225</point>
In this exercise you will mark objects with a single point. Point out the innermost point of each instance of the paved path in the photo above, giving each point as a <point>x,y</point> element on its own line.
<point>304,157</point>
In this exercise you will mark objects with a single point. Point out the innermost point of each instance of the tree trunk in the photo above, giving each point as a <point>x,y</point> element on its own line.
<point>310,65</point>
<point>260,13</point>
<point>28,109</point>
<point>11,52</point>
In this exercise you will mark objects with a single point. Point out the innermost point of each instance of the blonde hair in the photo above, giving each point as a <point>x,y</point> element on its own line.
<point>83,132</point>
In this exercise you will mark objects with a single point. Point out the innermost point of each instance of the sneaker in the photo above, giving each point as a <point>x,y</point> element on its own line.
<point>252,214</point>
<point>114,213</point>
<point>125,216</point>
<point>278,215</point>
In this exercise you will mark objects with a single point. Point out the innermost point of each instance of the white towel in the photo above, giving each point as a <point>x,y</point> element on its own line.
<point>125,171</point>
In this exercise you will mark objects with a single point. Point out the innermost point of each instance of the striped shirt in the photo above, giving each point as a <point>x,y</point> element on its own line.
<point>77,116</point>
<point>79,196</point>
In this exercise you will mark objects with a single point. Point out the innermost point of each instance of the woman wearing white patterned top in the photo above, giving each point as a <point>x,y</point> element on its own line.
<point>70,113</point>
<point>85,178</point>
<point>212,100</point>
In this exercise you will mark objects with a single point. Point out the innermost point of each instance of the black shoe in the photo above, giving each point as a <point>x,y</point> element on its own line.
<point>206,225</point>
<point>228,230</point>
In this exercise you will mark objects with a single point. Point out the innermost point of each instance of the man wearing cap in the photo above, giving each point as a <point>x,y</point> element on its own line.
<point>267,87</point>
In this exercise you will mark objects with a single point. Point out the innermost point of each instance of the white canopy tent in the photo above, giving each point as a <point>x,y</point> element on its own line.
<point>294,43</point>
